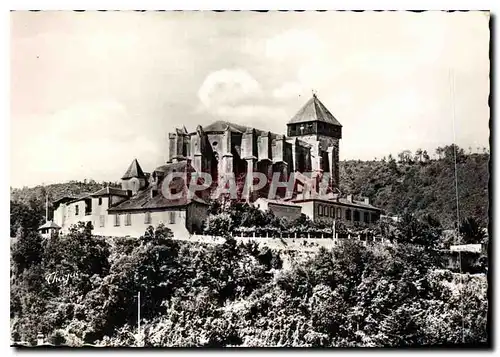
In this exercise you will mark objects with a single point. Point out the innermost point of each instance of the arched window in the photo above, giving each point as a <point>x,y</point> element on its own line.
<point>339,213</point>
<point>128,219</point>
<point>348,214</point>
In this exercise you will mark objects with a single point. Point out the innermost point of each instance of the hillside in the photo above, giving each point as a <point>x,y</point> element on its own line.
<point>423,187</point>
<point>419,186</point>
<point>34,197</point>
<point>220,295</point>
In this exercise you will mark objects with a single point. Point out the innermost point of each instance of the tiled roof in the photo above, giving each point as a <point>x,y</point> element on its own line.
<point>80,197</point>
<point>314,110</point>
<point>63,199</point>
<point>49,224</point>
<point>134,170</point>
<point>144,201</point>
<point>221,125</point>
<point>278,202</point>
<point>110,191</point>
<point>181,166</point>
<point>357,203</point>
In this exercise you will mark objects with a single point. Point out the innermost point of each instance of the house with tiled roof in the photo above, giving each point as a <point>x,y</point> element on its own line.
<point>129,210</point>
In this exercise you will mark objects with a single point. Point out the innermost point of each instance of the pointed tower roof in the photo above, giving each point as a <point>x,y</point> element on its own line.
<point>314,110</point>
<point>134,170</point>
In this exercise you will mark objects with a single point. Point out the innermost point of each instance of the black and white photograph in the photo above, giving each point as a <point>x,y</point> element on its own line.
<point>250,179</point>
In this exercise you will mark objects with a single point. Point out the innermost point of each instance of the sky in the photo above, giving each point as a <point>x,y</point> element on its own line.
<point>91,91</point>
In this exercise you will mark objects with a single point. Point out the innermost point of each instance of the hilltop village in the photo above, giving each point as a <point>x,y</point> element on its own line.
<point>311,145</point>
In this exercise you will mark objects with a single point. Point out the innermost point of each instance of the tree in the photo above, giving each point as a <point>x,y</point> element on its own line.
<point>419,155</point>
<point>453,151</point>
<point>424,232</point>
<point>26,250</point>
<point>405,156</point>
<point>220,225</point>
<point>24,216</point>
<point>439,152</point>
<point>425,155</point>
<point>471,232</point>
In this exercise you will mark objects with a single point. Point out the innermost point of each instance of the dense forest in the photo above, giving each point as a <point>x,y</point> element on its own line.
<point>417,184</point>
<point>80,289</point>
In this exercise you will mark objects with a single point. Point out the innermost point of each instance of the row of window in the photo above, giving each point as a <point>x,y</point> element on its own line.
<point>329,211</point>
<point>87,209</point>
<point>128,219</point>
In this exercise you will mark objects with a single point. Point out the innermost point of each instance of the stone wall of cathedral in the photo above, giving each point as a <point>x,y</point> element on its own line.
<point>227,151</point>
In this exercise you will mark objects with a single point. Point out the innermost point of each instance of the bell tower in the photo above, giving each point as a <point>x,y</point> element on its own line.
<point>134,178</point>
<point>315,125</point>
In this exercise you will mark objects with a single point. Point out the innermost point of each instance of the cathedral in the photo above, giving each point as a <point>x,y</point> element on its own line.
<point>310,145</point>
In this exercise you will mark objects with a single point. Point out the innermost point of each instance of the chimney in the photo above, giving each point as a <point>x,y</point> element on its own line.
<point>349,198</point>
<point>39,339</point>
<point>366,200</point>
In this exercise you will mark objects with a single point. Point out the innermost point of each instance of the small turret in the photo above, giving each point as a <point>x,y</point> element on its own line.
<point>134,178</point>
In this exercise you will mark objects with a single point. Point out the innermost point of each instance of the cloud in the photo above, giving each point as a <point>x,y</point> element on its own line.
<point>228,87</point>
<point>234,94</point>
<point>91,91</point>
<point>85,140</point>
